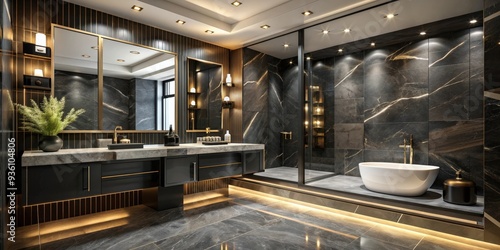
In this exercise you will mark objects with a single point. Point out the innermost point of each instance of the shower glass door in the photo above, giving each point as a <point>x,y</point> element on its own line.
<point>319,160</point>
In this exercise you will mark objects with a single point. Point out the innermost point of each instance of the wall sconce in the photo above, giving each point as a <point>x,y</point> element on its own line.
<point>37,81</point>
<point>227,103</point>
<point>38,72</point>
<point>39,48</point>
<point>229,80</point>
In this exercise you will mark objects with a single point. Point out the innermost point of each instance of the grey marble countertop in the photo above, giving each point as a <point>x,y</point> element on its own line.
<point>66,156</point>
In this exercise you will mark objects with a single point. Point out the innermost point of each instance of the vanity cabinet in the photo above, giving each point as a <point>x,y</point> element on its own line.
<point>253,161</point>
<point>179,170</point>
<point>60,182</point>
<point>219,165</point>
<point>119,176</point>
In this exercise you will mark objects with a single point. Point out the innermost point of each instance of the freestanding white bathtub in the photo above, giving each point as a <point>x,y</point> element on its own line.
<point>398,178</point>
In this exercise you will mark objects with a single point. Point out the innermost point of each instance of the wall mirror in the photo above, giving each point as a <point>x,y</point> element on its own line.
<point>117,83</point>
<point>204,95</point>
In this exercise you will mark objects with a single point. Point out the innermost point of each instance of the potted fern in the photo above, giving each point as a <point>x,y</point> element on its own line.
<point>48,120</point>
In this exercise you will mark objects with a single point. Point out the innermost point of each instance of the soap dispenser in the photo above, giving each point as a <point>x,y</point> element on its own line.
<point>171,139</point>
<point>227,136</point>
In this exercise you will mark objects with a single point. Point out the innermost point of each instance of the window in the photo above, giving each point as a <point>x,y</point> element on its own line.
<point>168,104</point>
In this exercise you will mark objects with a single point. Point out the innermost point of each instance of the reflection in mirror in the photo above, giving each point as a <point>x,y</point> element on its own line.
<point>134,82</point>
<point>204,95</point>
<point>76,75</point>
<point>139,86</point>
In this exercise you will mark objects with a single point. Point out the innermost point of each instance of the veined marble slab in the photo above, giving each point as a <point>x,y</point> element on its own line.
<point>67,156</point>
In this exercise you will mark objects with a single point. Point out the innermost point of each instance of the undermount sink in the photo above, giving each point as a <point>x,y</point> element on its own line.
<point>125,145</point>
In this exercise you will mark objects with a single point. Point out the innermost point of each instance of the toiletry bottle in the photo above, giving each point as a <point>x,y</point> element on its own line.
<point>227,136</point>
<point>229,81</point>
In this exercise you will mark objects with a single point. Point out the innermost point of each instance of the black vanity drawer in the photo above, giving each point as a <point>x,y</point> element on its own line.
<point>219,165</point>
<point>127,183</point>
<point>219,171</point>
<point>129,175</point>
<point>219,159</point>
<point>129,167</point>
<point>61,182</point>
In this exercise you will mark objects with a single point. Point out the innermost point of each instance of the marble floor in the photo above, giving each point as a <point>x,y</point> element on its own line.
<point>352,184</point>
<point>244,220</point>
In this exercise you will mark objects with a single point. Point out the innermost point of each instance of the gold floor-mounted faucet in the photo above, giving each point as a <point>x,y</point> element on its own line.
<point>410,147</point>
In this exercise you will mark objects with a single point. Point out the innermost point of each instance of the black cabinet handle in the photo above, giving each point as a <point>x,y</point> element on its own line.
<point>86,179</point>
<point>195,171</point>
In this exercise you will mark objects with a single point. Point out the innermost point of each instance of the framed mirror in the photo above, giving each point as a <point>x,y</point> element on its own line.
<point>116,82</point>
<point>204,95</point>
<point>76,75</point>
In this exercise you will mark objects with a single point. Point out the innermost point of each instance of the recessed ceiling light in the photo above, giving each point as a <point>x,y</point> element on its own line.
<point>308,58</point>
<point>340,50</point>
<point>135,52</point>
<point>291,62</point>
<point>473,21</point>
<point>136,8</point>
<point>93,47</point>
<point>236,3</point>
<point>180,22</point>
<point>120,60</point>
<point>85,56</point>
<point>346,30</point>
<point>286,45</point>
<point>325,32</point>
<point>390,16</point>
<point>209,31</point>
<point>372,44</point>
<point>423,33</point>
<point>265,26</point>
<point>307,13</point>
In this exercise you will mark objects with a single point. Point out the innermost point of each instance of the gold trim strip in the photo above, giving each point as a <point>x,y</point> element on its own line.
<point>131,174</point>
<point>221,165</point>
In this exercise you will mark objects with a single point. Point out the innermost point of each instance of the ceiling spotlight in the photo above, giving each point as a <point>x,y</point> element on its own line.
<point>136,8</point>
<point>236,3</point>
<point>308,58</point>
<point>286,45</point>
<point>85,56</point>
<point>325,32</point>
<point>307,13</point>
<point>120,60</point>
<point>372,44</point>
<point>291,62</point>
<point>135,52</point>
<point>473,21</point>
<point>341,50</point>
<point>390,16</point>
<point>423,33</point>
<point>180,22</point>
<point>347,30</point>
<point>265,26</point>
<point>209,31</point>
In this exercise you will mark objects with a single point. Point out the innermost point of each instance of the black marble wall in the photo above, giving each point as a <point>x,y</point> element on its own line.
<point>374,99</point>
<point>143,104</point>
<point>427,88</point>
<point>79,91</point>
<point>492,120</point>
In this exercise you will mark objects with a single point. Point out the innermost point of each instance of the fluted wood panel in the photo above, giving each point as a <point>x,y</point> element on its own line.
<point>33,16</point>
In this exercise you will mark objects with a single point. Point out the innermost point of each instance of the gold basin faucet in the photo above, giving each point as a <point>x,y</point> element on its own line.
<point>115,137</point>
